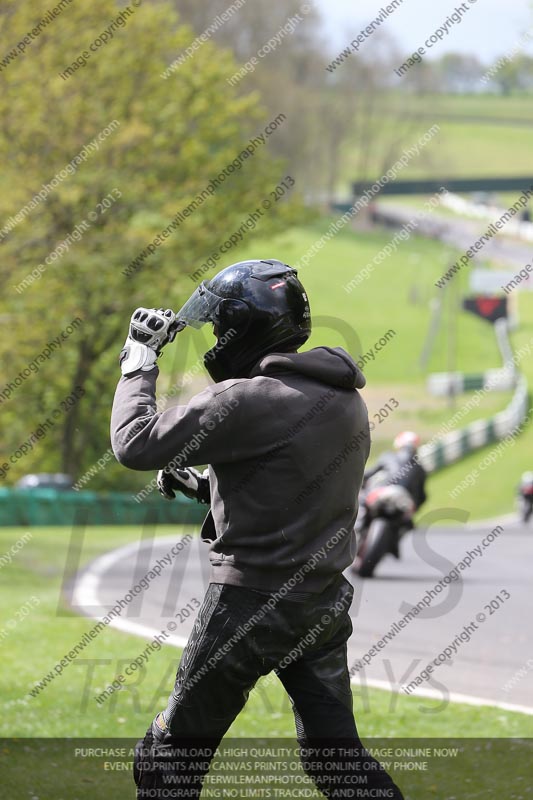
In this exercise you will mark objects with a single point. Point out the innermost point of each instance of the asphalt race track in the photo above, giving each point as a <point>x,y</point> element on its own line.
<point>499,649</point>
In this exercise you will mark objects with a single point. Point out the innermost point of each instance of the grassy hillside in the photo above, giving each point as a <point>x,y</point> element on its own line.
<point>489,107</point>
<point>480,136</point>
<point>396,296</point>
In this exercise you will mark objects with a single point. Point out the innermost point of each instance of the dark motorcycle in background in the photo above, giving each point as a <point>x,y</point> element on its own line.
<point>385,515</point>
<point>525,496</point>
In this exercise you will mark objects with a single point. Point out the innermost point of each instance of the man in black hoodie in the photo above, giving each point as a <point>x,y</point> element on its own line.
<point>277,599</point>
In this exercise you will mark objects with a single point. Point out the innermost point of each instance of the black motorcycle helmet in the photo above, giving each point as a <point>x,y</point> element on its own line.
<point>256,308</point>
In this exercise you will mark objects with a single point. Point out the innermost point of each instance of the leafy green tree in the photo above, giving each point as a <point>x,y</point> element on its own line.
<point>157,145</point>
<point>514,75</point>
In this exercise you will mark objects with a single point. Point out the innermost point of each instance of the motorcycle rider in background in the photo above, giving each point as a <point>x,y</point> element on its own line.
<point>398,468</point>
<point>401,467</point>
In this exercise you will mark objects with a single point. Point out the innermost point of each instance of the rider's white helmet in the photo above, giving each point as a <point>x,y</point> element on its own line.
<point>407,439</point>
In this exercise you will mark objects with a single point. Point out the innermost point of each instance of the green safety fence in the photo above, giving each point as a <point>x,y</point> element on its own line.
<point>28,507</point>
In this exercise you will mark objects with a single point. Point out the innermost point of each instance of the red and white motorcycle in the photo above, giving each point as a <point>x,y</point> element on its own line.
<point>525,496</point>
<point>385,515</point>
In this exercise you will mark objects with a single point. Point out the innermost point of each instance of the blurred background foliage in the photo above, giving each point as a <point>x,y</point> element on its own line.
<point>173,134</point>
<point>171,139</point>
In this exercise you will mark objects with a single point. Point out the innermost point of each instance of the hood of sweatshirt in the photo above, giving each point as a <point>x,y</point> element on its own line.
<point>330,365</point>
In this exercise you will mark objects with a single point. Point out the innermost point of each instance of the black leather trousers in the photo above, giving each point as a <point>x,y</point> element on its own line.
<point>239,635</point>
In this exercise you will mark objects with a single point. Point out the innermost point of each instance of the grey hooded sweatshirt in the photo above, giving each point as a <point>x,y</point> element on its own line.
<point>286,450</point>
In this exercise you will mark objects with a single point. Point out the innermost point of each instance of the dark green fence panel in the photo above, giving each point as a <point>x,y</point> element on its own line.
<point>29,507</point>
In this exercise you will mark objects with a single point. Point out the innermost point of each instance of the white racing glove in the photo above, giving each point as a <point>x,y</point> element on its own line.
<point>150,330</point>
<point>188,481</point>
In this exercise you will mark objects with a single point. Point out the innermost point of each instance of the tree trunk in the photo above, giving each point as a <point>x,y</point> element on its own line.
<point>70,454</point>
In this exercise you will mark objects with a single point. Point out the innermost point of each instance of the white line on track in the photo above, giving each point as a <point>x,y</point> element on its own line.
<point>85,593</point>
<point>454,697</point>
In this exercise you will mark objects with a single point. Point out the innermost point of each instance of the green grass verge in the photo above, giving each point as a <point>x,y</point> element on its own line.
<point>486,107</point>
<point>67,708</point>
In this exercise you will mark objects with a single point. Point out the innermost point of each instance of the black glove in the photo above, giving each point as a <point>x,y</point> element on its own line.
<point>188,481</point>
